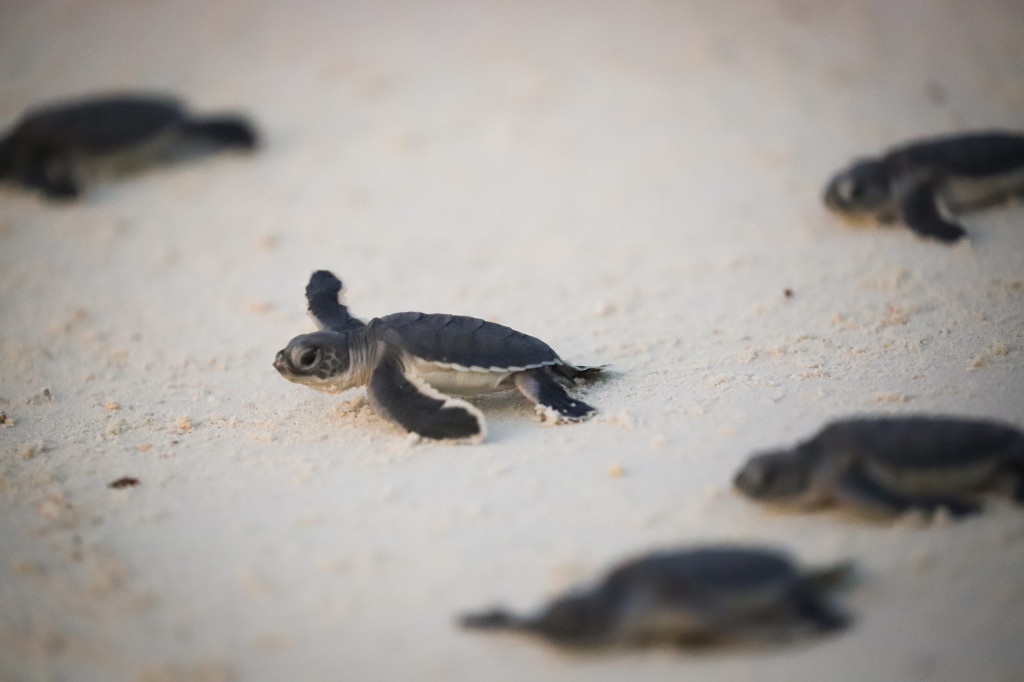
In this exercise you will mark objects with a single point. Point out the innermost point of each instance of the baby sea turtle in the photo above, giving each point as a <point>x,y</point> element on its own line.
<point>923,182</point>
<point>708,595</point>
<point>56,147</point>
<point>889,465</point>
<point>406,360</point>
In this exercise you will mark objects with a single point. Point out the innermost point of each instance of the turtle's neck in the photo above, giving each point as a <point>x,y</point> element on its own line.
<point>364,348</point>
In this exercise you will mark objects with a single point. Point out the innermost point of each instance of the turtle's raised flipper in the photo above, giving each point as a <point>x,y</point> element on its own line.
<point>324,304</point>
<point>541,389</point>
<point>224,131</point>
<point>921,213</point>
<point>866,496</point>
<point>402,397</point>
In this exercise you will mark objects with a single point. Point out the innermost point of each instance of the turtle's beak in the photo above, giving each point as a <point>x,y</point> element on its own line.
<point>280,364</point>
<point>750,478</point>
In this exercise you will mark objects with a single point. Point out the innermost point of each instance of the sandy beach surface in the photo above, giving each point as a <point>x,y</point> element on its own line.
<point>636,183</point>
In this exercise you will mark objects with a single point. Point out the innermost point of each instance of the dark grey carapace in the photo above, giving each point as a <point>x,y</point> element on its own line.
<point>57,148</point>
<point>409,361</point>
<point>889,465</point>
<point>692,597</point>
<point>926,183</point>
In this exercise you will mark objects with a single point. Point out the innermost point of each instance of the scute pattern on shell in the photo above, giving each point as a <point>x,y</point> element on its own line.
<point>103,124</point>
<point>920,442</point>
<point>973,155</point>
<point>707,568</point>
<point>461,340</point>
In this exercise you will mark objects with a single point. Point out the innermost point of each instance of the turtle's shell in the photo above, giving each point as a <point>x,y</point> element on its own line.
<point>972,155</point>
<point>100,125</point>
<point>461,341</point>
<point>706,574</point>
<point>922,442</point>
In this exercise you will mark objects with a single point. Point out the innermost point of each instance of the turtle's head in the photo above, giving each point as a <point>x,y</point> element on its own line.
<point>321,360</point>
<point>862,189</point>
<point>775,476</point>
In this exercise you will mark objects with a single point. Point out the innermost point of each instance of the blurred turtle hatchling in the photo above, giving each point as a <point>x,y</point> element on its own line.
<point>58,148</point>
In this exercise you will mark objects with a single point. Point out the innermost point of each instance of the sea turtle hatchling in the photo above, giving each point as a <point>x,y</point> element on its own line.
<point>923,182</point>
<point>707,595</point>
<point>57,147</point>
<point>406,361</point>
<point>889,465</point>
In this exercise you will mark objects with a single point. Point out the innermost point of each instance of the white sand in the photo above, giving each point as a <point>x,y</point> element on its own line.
<point>635,183</point>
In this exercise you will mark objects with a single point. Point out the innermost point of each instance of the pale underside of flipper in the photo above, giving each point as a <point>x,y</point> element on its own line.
<point>401,396</point>
<point>550,397</point>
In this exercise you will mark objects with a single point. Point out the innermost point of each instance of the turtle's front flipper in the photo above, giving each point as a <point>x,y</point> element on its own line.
<point>551,399</point>
<point>324,304</point>
<point>867,496</point>
<point>921,213</point>
<point>402,397</point>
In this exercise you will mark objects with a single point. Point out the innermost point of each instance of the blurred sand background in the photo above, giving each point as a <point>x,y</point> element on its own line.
<point>635,183</point>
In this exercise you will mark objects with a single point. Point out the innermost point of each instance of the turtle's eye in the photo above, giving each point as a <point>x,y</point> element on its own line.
<point>306,358</point>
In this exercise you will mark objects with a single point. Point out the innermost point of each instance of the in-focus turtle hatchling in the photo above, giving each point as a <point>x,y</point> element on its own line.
<point>708,595</point>
<point>926,183</point>
<point>406,361</point>
<point>58,147</point>
<point>889,465</point>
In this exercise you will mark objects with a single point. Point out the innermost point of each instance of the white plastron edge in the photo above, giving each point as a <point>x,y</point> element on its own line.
<point>448,401</point>
<point>476,368</point>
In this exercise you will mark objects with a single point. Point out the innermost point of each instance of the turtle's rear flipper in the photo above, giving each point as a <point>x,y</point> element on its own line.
<point>51,172</point>
<point>1017,474</point>
<point>921,214</point>
<point>571,372</point>
<point>812,607</point>
<point>226,131</point>
<point>541,389</point>
<point>868,497</point>
<point>405,399</point>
